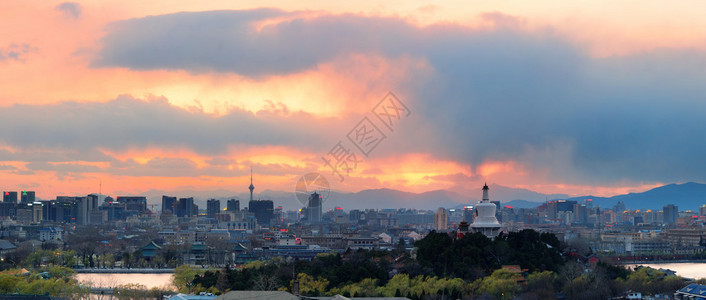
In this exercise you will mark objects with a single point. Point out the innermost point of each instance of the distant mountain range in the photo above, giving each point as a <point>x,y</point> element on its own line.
<point>687,196</point>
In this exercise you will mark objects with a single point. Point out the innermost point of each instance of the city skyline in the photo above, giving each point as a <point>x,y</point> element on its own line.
<point>575,99</point>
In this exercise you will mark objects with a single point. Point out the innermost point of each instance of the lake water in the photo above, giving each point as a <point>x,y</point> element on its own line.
<point>110,280</point>
<point>688,270</point>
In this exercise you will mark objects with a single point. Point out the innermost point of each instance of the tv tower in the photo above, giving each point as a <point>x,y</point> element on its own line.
<point>251,187</point>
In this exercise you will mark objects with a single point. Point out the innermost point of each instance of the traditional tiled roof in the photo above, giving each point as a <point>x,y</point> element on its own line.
<point>694,289</point>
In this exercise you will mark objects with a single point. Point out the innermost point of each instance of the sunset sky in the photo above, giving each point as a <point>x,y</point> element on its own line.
<point>573,97</point>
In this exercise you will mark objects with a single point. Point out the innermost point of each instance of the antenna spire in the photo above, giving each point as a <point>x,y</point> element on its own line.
<point>251,187</point>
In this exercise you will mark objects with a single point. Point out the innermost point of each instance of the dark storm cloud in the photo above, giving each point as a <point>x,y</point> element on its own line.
<point>127,123</point>
<point>502,93</point>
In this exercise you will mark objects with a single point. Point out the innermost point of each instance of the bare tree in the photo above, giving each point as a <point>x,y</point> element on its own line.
<point>265,283</point>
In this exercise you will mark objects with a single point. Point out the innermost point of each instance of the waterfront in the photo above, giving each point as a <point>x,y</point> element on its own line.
<point>688,270</point>
<point>110,280</point>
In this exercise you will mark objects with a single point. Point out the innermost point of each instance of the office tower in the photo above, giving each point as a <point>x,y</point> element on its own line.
<point>24,214</point>
<point>37,211</point>
<point>134,204</point>
<point>468,213</point>
<point>186,208</point>
<point>580,213</point>
<point>555,207</point>
<point>440,219</point>
<point>213,207</point>
<point>354,215</point>
<point>169,205</point>
<point>263,211</point>
<point>670,213</point>
<point>27,197</point>
<point>9,197</point>
<point>8,209</point>
<point>314,209</point>
<point>92,202</point>
<point>233,205</point>
<point>81,210</point>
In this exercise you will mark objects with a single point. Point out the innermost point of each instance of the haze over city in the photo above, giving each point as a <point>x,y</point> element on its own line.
<point>571,98</point>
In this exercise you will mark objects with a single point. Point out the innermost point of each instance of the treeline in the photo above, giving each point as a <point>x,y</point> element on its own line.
<point>54,280</point>
<point>474,255</point>
<point>441,267</point>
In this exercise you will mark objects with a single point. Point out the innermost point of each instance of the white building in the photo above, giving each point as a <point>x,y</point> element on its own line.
<point>51,234</point>
<point>485,221</point>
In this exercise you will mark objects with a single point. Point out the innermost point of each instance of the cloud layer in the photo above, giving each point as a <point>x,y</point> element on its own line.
<point>127,123</point>
<point>70,9</point>
<point>16,52</point>
<point>504,93</point>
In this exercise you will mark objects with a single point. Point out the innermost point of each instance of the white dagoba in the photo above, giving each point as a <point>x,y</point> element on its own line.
<point>485,221</point>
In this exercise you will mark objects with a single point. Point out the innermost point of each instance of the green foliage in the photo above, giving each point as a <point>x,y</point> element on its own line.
<point>474,255</point>
<point>401,285</point>
<point>256,264</point>
<point>541,284</point>
<point>183,277</point>
<point>310,286</point>
<point>63,285</point>
<point>61,272</point>
<point>502,284</point>
<point>364,288</point>
<point>51,257</point>
<point>650,281</point>
<point>614,272</point>
<point>137,291</point>
<point>365,273</point>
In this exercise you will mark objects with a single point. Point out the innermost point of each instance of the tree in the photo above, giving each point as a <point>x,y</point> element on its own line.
<point>263,282</point>
<point>310,286</point>
<point>502,284</point>
<point>541,284</point>
<point>184,276</point>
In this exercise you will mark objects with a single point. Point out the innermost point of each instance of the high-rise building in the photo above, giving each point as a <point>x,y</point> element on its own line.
<point>441,219</point>
<point>263,211</point>
<point>81,210</point>
<point>134,204</point>
<point>580,213</point>
<point>113,210</point>
<point>314,209</point>
<point>9,197</point>
<point>24,214</point>
<point>92,202</point>
<point>619,207</point>
<point>66,209</point>
<point>169,205</point>
<point>702,210</point>
<point>670,214</point>
<point>354,216</point>
<point>37,211</point>
<point>27,197</point>
<point>8,209</point>
<point>468,213</point>
<point>555,207</point>
<point>187,208</point>
<point>213,207</point>
<point>233,205</point>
